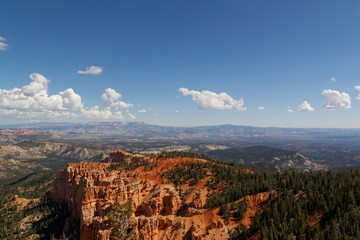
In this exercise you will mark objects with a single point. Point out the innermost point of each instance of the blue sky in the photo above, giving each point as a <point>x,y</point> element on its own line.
<point>181,63</point>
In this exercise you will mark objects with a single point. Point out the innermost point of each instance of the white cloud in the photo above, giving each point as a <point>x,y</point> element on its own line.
<point>336,100</point>
<point>176,111</point>
<point>93,70</point>
<point>358,89</point>
<point>43,115</point>
<point>305,107</point>
<point>110,97</point>
<point>211,100</point>
<point>3,46</point>
<point>332,79</point>
<point>131,116</point>
<point>34,97</point>
<point>71,100</point>
<point>95,113</point>
<point>33,102</point>
<point>289,110</point>
<point>260,108</point>
<point>39,85</point>
<point>142,111</point>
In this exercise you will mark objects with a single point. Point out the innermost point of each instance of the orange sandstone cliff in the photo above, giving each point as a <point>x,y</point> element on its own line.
<point>90,189</point>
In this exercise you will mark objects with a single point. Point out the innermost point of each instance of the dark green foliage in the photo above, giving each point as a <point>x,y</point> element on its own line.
<point>240,210</point>
<point>180,154</point>
<point>50,215</point>
<point>120,221</point>
<point>298,197</point>
<point>262,167</point>
<point>225,212</point>
<point>335,195</point>
<point>53,222</point>
<point>31,186</point>
<point>250,154</point>
<point>188,171</point>
<point>51,219</point>
<point>128,167</point>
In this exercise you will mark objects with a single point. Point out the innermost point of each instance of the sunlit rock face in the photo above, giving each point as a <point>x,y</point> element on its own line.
<point>90,189</point>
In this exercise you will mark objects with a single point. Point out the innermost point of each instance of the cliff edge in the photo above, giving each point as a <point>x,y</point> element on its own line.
<point>161,209</point>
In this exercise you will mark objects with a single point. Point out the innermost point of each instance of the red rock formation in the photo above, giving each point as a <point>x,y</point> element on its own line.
<point>14,132</point>
<point>91,188</point>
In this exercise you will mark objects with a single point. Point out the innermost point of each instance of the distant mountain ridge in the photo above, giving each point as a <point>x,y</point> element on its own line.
<point>281,158</point>
<point>155,132</point>
<point>27,157</point>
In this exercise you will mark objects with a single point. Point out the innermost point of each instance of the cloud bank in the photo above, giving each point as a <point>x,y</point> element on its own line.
<point>93,70</point>
<point>210,100</point>
<point>336,100</point>
<point>32,101</point>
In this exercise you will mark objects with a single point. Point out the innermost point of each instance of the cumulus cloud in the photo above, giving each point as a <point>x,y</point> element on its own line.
<point>336,100</point>
<point>32,101</point>
<point>211,100</point>
<point>289,110</point>
<point>70,99</point>
<point>305,107</point>
<point>3,46</point>
<point>260,108</point>
<point>93,70</point>
<point>34,97</point>
<point>142,111</point>
<point>358,89</point>
<point>111,98</point>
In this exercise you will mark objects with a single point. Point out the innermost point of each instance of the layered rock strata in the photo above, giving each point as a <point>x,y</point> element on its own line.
<point>90,189</point>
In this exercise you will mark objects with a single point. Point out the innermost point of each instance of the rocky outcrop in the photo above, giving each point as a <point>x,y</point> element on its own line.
<point>14,132</point>
<point>294,161</point>
<point>120,156</point>
<point>90,189</point>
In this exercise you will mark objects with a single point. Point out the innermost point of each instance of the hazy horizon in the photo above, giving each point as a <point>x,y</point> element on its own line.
<point>28,124</point>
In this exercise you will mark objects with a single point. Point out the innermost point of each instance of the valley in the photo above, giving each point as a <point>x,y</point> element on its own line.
<point>189,188</point>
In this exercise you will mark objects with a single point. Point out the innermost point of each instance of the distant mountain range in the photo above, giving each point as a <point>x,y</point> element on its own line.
<point>143,131</point>
<point>324,148</point>
<point>280,158</point>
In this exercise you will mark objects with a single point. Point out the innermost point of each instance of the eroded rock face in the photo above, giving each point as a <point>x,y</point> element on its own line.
<point>90,189</point>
